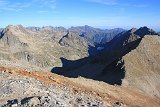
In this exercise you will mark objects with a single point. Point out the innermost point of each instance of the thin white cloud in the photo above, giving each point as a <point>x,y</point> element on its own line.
<point>42,11</point>
<point>141,5</point>
<point>116,2</point>
<point>3,2</point>
<point>47,3</point>
<point>106,2</point>
<point>19,6</point>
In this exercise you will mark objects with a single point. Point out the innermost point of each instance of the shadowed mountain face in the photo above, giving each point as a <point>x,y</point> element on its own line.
<point>126,37</point>
<point>111,74</point>
<point>1,30</point>
<point>108,65</point>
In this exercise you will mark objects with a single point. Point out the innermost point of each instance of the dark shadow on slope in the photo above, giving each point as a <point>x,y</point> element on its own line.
<point>107,66</point>
<point>69,65</point>
<point>2,33</point>
<point>111,74</point>
<point>114,72</point>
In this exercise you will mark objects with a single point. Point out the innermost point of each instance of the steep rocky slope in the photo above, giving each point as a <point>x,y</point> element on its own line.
<point>142,66</point>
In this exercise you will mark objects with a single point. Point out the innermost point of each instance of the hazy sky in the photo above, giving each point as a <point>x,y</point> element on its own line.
<point>99,13</point>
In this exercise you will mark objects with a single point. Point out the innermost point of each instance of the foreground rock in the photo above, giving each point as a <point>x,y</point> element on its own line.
<point>27,89</point>
<point>16,90</point>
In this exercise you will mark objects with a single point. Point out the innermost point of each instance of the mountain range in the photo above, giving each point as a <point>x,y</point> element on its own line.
<point>125,61</point>
<point>22,43</point>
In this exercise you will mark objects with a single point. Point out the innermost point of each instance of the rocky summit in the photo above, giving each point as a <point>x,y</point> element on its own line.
<point>79,67</point>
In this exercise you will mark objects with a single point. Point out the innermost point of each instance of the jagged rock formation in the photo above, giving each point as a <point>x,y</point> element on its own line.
<point>74,41</point>
<point>134,34</point>
<point>124,43</point>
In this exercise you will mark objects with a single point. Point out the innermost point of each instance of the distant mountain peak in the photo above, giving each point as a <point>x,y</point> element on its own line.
<point>145,31</point>
<point>132,30</point>
<point>14,26</point>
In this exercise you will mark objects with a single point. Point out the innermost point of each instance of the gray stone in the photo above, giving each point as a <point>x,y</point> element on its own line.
<point>32,101</point>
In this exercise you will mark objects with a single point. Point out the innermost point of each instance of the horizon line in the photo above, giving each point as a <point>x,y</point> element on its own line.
<point>156,28</point>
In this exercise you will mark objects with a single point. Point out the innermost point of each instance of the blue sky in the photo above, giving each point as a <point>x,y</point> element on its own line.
<point>97,13</point>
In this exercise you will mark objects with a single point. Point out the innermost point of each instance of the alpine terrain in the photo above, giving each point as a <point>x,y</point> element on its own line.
<point>79,66</point>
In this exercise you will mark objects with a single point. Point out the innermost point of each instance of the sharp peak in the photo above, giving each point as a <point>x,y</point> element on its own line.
<point>132,30</point>
<point>14,26</point>
<point>141,29</point>
<point>144,27</point>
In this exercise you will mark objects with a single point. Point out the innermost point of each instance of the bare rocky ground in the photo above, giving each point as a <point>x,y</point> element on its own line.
<point>21,91</point>
<point>20,88</point>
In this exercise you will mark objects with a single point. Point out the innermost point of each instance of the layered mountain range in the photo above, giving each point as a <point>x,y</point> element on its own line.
<point>124,60</point>
<point>43,47</point>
